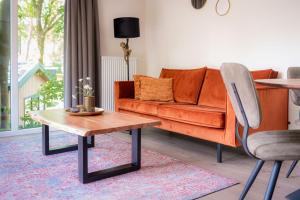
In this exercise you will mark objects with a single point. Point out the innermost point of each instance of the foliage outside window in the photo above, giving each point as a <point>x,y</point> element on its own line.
<point>41,39</point>
<point>50,94</point>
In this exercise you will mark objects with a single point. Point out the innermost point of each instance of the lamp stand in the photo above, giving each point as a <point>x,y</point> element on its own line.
<point>127,52</point>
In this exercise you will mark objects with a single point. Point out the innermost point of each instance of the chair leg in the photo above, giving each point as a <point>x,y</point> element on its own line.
<point>273,180</point>
<point>292,167</point>
<point>219,153</point>
<point>254,173</point>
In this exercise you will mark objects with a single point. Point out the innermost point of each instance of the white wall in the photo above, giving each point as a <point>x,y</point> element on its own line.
<point>110,46</point>
<point>257,33</point>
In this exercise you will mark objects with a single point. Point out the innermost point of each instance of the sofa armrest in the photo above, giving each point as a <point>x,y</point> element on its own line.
<point>123,89</point>
<point>274,105</point>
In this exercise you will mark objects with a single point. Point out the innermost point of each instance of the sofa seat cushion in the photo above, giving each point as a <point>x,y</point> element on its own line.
<point>139,106</point>
<point>193,114</point>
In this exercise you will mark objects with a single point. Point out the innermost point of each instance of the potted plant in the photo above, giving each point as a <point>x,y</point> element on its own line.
<point>86,90</point>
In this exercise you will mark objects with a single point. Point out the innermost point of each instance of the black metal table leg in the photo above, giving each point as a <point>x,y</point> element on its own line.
<point>82,159</point>
<point>219,153</point>
<point>136,147</point>
<point>46,141</point>
<point>87,177</point>
<point>91,141</point>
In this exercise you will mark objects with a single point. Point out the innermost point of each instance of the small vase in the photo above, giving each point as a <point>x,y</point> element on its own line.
<point>89,103</point>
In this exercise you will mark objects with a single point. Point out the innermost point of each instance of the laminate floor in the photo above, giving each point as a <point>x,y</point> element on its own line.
<point>236,164</point>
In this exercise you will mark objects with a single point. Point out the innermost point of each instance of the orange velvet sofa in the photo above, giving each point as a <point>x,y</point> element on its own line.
<point>212,118</point>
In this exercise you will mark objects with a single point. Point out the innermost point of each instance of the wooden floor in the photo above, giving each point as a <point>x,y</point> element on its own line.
<point>203,154</point>
<point>235,164</point>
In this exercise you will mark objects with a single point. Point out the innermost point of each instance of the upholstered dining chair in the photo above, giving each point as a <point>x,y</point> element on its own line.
<point>294,72</point>
<point>276,146</point>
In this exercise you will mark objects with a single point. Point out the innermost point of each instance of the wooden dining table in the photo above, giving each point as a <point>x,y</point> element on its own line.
<point>289,84</point>
<point>282,83</point>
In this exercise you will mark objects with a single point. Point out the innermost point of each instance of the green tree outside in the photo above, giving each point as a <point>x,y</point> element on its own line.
<point>42,22</point>
<point>46,20</point>
<point>50,94</point>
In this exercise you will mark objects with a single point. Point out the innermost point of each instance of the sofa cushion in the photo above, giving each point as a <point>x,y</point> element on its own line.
<point>186,83</point>
<point>193,114</point>
<point>213,92</point>
<point>264,74</point>
<point>156,89</point>
<point>143,107</point>
<point>137,85</point>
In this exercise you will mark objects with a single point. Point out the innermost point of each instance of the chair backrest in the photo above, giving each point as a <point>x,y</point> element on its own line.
<point>237,75</point>
<point>294,72</point>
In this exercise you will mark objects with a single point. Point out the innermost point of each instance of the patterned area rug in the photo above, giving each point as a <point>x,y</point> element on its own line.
<point>26,174</point>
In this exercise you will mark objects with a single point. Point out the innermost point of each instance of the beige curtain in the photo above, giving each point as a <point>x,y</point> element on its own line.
<point>82,48</point>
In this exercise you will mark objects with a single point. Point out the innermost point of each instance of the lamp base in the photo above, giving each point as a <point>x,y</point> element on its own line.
<point>127,52</point>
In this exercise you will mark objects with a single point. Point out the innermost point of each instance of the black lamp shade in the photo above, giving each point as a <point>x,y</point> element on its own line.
<point>127,27</point>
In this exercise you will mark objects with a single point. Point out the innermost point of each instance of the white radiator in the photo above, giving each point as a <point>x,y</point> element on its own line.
<point>114,69</point>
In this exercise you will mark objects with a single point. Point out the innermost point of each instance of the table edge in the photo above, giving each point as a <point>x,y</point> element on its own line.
<point>86,132</point>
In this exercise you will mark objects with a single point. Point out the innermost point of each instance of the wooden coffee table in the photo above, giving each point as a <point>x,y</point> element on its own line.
<point>86,128</point>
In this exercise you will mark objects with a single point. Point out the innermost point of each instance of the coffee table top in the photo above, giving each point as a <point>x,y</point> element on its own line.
<point>91,125</point>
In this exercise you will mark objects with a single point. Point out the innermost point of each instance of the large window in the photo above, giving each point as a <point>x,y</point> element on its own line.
<point>5,82</point>
<point>31,60</point>
<point>40,57</point>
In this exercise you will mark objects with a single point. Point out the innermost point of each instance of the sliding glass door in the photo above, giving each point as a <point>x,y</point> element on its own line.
<point>31,60</point>
<point>5,69</point>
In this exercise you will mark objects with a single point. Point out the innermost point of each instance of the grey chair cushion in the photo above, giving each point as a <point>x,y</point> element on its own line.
<point>294,72</point>
<point>234,73</point>
<point>295,96</point>
<point>275,145</point>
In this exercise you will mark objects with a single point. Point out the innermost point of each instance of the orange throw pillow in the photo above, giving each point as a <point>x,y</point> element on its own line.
<point>186,83</point>
<point>153,89</point>
<point>137,85</point>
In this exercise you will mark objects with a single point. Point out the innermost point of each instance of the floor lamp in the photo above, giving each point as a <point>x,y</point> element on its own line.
<point>126,27</point>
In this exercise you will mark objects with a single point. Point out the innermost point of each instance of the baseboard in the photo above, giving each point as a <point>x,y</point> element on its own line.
<point>23,132</point>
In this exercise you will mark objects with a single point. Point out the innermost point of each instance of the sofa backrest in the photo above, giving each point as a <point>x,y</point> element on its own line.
<point>187,83</point>
<point>213,92</point>
<point>264,74</point>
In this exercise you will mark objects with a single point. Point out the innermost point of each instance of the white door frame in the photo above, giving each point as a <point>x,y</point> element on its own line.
<point>14,100</point>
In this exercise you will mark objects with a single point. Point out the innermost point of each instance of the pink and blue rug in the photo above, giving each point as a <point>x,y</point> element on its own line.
<point>26,174</point>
